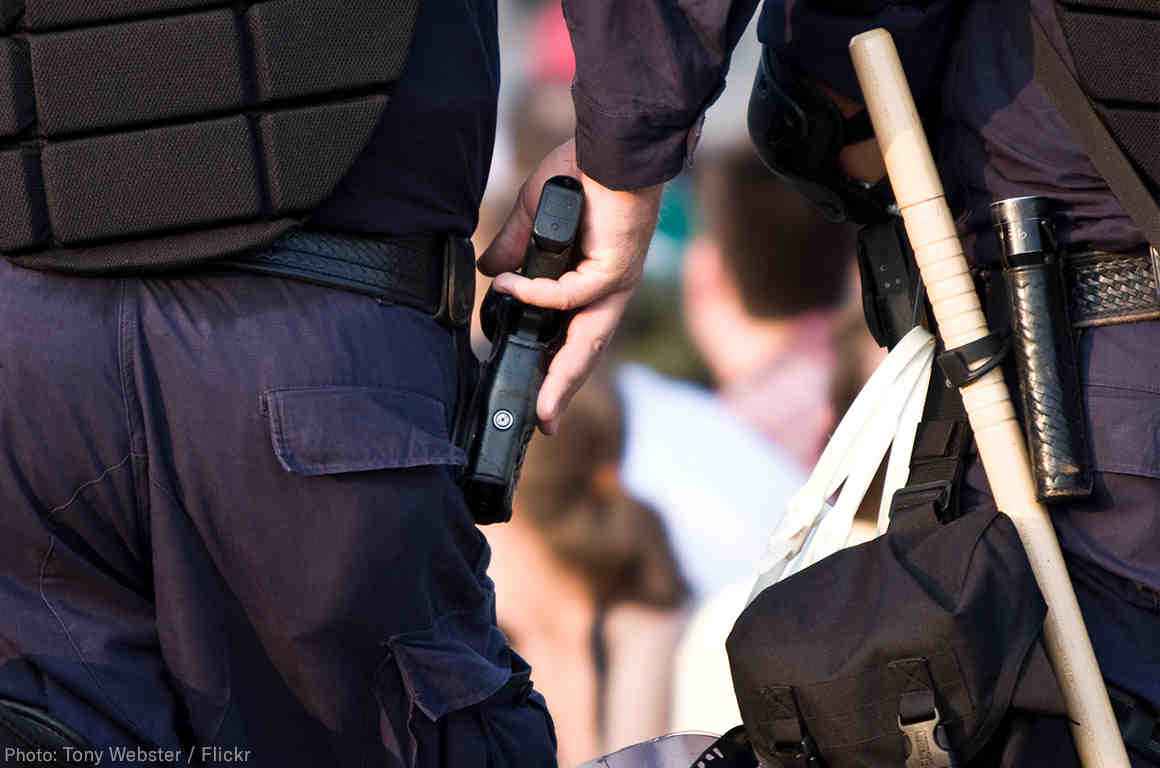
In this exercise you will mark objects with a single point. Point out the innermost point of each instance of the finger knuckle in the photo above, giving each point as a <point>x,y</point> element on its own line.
<point>524,196</point>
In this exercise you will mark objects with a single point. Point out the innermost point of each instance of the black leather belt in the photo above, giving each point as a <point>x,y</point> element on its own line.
<point>1110,288</point>
<point>434,274</point>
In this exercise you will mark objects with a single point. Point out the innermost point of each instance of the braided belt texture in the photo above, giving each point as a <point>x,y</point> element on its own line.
<point>1110,288</point>
<point>1048,383</point>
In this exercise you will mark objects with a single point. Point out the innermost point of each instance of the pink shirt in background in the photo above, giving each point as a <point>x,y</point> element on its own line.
<point>788,400</point>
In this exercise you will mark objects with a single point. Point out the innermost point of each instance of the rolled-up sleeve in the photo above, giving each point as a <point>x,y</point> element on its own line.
<point>814,37</point>
<point>646,71</point>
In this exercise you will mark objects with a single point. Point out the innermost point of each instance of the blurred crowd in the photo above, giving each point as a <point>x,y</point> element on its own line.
<point>638,527</point>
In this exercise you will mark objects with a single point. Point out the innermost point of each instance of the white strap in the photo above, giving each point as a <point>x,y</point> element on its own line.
<point>886,411</point>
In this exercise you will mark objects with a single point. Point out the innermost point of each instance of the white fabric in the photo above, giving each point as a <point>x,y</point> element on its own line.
<point>888,407</point>
<point>703,697</point>
<point>717,483</point>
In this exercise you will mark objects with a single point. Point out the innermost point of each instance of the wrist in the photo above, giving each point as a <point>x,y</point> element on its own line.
<point>651,192</point>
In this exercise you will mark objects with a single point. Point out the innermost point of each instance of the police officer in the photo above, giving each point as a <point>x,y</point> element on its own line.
<point>997,134</point>
<point>998,127</point>
<point>230,525</point>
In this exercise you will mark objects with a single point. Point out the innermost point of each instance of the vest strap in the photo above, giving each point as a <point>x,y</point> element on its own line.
<point>1109,159</point>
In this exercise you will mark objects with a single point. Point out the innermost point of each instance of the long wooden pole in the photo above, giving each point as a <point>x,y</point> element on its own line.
<point>939,254</point>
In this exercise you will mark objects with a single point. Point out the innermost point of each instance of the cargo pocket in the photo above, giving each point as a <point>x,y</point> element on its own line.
<point>330,430</point>
<point>455,696</point>
<point>1122,397</point>
<point>1115,527</point>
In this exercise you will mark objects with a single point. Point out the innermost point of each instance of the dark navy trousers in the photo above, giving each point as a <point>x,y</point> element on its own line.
<point>228,518</point>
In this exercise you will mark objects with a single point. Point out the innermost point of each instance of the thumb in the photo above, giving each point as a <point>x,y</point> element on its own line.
<point>506,252</point>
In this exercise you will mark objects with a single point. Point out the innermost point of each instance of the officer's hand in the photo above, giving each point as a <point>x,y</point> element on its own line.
<point>614,236</point>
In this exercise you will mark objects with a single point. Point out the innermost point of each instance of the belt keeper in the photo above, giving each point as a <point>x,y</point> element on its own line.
<point>991,350</point>
<point>457,295</point>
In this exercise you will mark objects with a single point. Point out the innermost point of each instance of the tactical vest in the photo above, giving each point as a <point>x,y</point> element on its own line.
<point>1114,44</point>
<point>151,134</point>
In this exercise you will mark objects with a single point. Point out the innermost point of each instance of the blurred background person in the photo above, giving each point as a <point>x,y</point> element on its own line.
<point>764,282</point>
<point>588,587</point>
<point>719,485</point>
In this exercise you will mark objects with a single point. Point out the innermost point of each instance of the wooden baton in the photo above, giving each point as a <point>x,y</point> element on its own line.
<point>939,254</point>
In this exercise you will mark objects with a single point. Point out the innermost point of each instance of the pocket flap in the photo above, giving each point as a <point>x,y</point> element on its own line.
<point>1124,426</point>
<point>332,429</point>
<point>458,662</point>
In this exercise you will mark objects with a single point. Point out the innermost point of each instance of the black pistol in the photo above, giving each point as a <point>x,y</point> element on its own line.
<point>524,338</point>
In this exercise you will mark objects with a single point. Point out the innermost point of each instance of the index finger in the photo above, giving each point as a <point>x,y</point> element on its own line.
<point>588,335</point>
<point>576,288</point>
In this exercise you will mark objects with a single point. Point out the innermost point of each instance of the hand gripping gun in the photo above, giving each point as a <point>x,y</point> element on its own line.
<point>502,417</point>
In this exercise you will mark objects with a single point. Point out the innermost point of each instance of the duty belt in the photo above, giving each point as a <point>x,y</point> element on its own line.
<point>1103,289</point>
<point>1111,288</point>
<point>433,274</point>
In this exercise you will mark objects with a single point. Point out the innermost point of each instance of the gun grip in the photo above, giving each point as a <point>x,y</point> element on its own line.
<point>505,420</point>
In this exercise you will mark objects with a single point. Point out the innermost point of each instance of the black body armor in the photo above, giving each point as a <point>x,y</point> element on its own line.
<point>153,134</point>
<point>1113,46</point>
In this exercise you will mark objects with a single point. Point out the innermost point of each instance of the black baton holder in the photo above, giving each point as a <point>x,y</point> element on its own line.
<point>1045,349</point>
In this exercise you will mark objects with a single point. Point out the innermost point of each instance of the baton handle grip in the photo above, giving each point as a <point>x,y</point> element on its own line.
<point>946,276</point>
